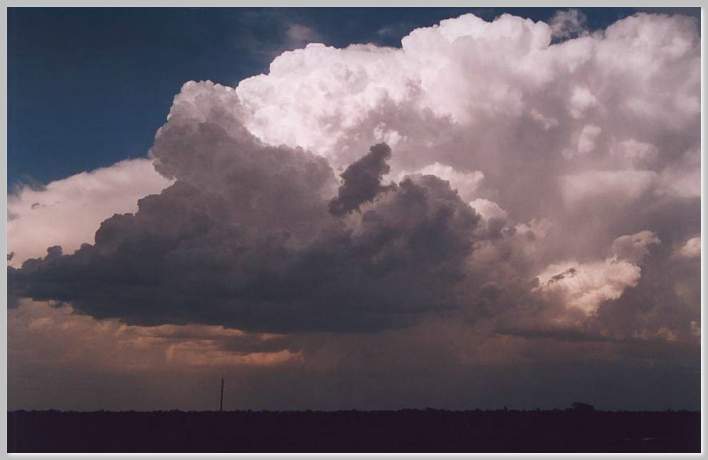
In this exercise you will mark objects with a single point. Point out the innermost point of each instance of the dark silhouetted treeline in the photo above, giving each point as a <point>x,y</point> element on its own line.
<point>576,430</point>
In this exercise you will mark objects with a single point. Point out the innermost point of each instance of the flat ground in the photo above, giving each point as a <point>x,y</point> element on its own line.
<point>354,431</point>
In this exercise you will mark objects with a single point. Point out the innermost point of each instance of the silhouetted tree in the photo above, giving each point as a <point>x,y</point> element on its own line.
<point>582,407</point>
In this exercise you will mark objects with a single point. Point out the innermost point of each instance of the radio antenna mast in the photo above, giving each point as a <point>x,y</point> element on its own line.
<point>221,399</point>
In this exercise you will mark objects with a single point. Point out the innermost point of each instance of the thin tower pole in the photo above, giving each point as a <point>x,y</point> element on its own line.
<point>221,399</point>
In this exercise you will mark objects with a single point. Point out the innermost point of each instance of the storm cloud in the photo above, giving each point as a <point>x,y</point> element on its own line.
<point>244,238</point>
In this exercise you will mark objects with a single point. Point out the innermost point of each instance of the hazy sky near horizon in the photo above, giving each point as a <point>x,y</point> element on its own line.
<point>353,208</point>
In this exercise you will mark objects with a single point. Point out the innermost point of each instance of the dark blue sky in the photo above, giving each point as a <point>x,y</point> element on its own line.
<point>90,86</point>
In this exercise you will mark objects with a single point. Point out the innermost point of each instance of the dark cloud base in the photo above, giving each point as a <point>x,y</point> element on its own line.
<point>191,255</point>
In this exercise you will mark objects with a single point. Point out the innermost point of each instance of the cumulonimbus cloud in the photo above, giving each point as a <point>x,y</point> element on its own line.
<point>515,159</point>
